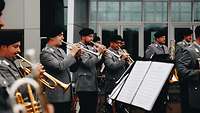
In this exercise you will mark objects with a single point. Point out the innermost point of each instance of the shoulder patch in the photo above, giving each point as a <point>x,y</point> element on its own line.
<point>48,49</point>
<point>4,62</point>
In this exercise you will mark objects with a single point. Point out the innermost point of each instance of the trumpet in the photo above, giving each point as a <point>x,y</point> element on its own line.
<point>84,49</point>
<point>55,81</point>
<point>107,50</point>
<point>130,60</point>
<point>17,101</point>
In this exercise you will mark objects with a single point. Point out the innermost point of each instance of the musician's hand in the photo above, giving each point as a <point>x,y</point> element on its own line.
<point>101,48</point>
<point>38,69</point>
<point>124,56</point>
<point>49,108</point>
<point>75,50</point>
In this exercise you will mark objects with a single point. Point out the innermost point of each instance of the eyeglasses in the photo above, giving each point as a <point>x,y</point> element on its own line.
<point>91,35</point>
<point>61,34</point>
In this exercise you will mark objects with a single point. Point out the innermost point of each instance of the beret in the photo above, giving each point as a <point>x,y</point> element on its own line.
<point>86,31</point>
<point>9,36</point>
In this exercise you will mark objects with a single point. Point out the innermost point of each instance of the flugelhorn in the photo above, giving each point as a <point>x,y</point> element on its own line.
<point>84,49</point>
<point>17,101</point>
<point>54,80</point>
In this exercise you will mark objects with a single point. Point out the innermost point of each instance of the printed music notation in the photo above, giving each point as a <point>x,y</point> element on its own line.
<point>144,84</point>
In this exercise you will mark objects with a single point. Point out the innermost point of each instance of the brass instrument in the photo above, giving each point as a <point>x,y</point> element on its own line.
<point>172,49</point>
<point>84,49</point>
<point>17,101</point>
<point>107,50</point>
<point>55,81</point>
<point>130,60</point>
<point>174,74</point>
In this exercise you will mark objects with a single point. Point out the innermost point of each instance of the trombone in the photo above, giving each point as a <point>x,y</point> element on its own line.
<point>84,49</point>
<point>54,80</point>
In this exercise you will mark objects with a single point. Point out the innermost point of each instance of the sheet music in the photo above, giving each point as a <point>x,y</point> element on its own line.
<point>133,82</point>
<point>120,83</point>
<point>124,73</point>
<point>152,85</point>
<point>117,89</point>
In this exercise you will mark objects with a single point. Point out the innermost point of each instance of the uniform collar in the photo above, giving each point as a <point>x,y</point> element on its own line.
<point>158,45</point>
<point>187,43</point>
<point>52,48</point>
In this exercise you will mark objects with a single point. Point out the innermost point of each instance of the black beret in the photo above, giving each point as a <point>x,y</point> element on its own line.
<point>8,36</point>
<point>55,31</point>
<point>86,31</point>
<point>159,33</point>
<point>116,38</point>
<point>197,32</point>
<point>2,5</point>
<point>96,38</point>
<point>187,32</point>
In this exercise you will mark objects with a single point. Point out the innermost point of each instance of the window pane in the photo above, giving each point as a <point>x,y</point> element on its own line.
<point>108,11</point>
<point>196,11</point>
<point>93,11</point>
<point>181,11</point>
<point>150,30</point>
<point>65,16</point>
<point>155,11</point>
<point>65,2</point>
<point>131,11</point>
<point>93,26</point>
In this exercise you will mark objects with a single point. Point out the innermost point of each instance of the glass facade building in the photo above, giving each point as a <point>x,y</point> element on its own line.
<point>137,20</point>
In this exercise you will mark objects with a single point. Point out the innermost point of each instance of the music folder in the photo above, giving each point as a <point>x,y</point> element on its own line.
<point>143,84</point>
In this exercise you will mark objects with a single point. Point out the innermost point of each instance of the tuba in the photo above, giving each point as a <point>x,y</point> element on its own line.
<point>21,105</point>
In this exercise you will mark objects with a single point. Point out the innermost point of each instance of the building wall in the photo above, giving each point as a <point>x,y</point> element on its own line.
<point>25,14</point>
<point>80,19</point>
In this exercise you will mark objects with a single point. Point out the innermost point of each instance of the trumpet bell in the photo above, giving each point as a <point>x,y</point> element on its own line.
<point>65,86</point>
